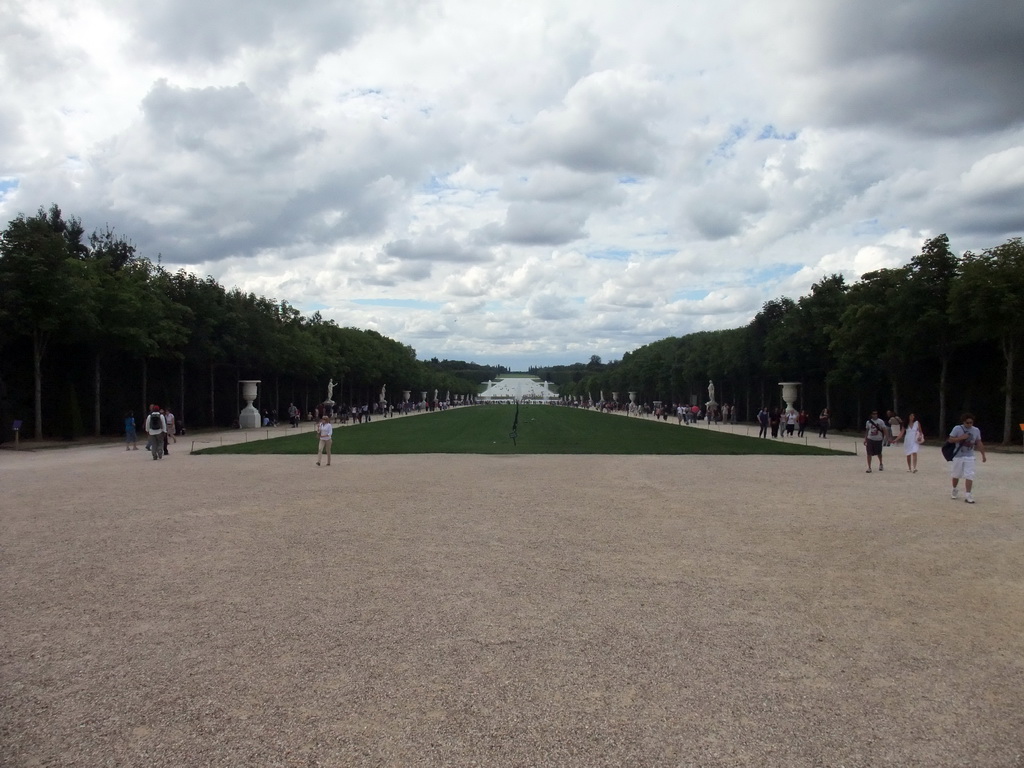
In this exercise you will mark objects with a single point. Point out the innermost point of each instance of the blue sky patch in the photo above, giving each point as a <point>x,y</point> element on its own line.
<point>694,295</point>
<point>398,303</point>
<point>770,132</point>
<point>7,185</point>
<point>611,254</point>
<point>732,138</point>
<point>772,273</point>
<point>436,184</point>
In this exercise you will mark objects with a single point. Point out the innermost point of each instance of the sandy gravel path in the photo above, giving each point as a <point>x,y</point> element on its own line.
<point>507,611</point>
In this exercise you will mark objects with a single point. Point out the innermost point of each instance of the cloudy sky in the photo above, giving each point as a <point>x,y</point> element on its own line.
<point>521,183</point>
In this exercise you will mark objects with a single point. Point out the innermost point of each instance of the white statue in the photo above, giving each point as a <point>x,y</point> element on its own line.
<point>711,391</point>
<point>382,393</point>
<point>330,391</point>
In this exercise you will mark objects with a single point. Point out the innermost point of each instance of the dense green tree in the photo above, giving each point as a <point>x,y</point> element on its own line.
<point>206,345</point>
<point>95,306</point>
<point>923,315</point>
<point>820,313</point>
<point>868,351</point>
<point>45,288</point>
<point>122,281</point>
<point>987,303</point>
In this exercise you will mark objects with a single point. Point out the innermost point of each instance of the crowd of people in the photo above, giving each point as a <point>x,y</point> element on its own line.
<point>162,429</point>
<point>879,433</point>
<point>962,442</point>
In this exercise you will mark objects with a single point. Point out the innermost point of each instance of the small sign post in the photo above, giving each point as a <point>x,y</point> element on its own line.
<point>17,434</point>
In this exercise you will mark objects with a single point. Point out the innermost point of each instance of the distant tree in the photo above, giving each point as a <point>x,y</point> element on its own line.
<point>987,302</point>
<point>44,285</point>
<point>866,349</point>
<point>122,282</point>
<point>820,314</point>
<point>924,310</point>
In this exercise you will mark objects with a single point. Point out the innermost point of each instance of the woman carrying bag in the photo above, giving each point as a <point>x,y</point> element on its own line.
<point>912,436</point>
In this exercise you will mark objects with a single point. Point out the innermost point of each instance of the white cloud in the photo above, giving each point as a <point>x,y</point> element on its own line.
<point>560,179</point>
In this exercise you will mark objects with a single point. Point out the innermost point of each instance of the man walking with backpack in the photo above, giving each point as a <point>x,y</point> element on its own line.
<point>156,427</point>
<point>968,437</point>
<point>875,431</point>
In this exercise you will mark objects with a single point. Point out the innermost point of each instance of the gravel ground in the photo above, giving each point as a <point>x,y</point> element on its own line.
<point>507,611</point>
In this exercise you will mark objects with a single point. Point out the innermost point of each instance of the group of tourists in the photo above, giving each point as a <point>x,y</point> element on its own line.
<point>964,439</point>
<point>784,423</point>
<point>880,433</point>
<point>161,429</point>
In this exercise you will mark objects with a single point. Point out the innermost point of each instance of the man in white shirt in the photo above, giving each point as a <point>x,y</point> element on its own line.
<point>875,431</point>
<point>156,427</point>
<point>969,438</point>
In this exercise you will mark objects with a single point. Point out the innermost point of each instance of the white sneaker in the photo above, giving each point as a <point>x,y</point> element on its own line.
<point>955,494</point>
<point>969,498</point>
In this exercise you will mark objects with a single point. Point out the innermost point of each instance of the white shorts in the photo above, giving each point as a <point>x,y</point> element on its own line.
<point>963,466</point>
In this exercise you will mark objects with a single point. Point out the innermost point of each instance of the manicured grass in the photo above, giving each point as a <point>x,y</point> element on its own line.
<point>542,429</point>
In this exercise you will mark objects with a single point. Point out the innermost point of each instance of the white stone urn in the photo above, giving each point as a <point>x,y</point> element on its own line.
<point>249,418</point>
<point>632,398</point>
<point>406,394</point>
<point>789,393</point>
<point>615,397</point>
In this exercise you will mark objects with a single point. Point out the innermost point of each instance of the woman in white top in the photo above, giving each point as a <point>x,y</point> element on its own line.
<point>912,436</point>
<point>325,431</point>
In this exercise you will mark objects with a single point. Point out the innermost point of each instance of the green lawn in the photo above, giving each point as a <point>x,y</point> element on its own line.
<point>542,429</point>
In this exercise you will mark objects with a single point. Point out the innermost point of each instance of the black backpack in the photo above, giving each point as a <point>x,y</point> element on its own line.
<point>949,450</point>
<point>154,420</point>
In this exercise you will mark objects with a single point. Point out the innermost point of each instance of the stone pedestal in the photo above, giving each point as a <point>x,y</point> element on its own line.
<point>249,418</point>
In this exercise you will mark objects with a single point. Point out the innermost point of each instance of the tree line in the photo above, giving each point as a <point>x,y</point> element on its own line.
<point>937,336</point>
<point>90,329</point>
